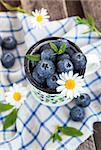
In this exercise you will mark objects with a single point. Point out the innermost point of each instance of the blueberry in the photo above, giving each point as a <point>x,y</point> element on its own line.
<point>77,113</point>
<point>48,54</point>
<point>45,68</point>
<point>59,42</point>
<point>51,82</point>
<point>71,50</point>
<point>45,46</point>
<point>9,43</point>
<point>64,66</point>
<point>79,60</point>
<point>37,78</point>
<point>63,56</point>
<point>33,63</point>
<point>8,60</point>
<point>0,41</point>
<point>83,101</point>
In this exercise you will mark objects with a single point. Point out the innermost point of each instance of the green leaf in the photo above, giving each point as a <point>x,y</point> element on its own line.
<point>34,57</point>
<point>10,119</point>
<point>81,20</point>
<point>62,49</point>
<point>54,47</point>
<point>58,137</point>
<point>87,31</point>
<point>5,107</point>
<point>78,19</point>
<point>90,20</point>
<point>70,131</point>
<point>55,137</point>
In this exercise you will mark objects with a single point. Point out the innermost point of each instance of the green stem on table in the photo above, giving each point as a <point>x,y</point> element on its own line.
<point>11,8</point>
<point>90,23</point>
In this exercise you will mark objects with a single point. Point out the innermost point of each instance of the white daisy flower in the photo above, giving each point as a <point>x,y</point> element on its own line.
<point>16,95</point>
<point>41,17</point>
<point>70,85</point>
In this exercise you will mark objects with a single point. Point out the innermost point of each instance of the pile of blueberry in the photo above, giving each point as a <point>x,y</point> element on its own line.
<point>45,72</point>
<point>7,44</point>
<point>77,113</point>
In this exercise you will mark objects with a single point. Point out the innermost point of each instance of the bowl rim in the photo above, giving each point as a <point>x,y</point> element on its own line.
<point>26,62</point>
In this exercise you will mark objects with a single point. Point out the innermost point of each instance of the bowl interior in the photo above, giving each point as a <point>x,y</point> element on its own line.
<point>35,49</point>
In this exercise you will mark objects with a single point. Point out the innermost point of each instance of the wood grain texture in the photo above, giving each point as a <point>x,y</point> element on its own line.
<point>74,8</point>
<point>56,8</point>
<point>87,145</point>
<point>93,8</point>
<point>97,135</point>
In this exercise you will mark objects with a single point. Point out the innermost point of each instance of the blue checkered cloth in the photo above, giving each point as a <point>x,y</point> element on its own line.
<point>36,122</point>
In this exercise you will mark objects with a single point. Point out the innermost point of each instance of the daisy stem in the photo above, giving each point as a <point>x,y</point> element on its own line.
<point>11,8</point>
<point>23,11</point>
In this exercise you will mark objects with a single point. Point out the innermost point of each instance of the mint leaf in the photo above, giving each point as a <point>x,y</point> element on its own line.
<point>70,131</point>
<point>81,20</point>
<point>58,137</point>
<point>5,107</point>
<point>78,19</point>
<point>34,57</point>
<point>10,119</point>
<point>62,49</point>
<point>59,51</point>
<point>90,23</point>
<point>55,137</point>
<point>90,20</point>
<point>54,47</point>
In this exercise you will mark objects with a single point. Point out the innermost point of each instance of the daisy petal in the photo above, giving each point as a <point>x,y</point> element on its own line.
<point>62,76</point>
<point>75,76</point>
<point>47,17</point>
<point>44,11</point>
<point>64,92</point>
<point>70,74</point>
<point>16,95</point>
<point>60,82</point>
<point>70,94</point>
<point>66,76</point>
<point>60,88</point>
<point>34,14</point>
<point>67,94</point>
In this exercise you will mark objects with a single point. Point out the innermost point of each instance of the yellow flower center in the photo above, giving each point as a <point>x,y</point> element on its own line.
<point>70,84</point>
<point>39,18</point>
<point>17,96</point>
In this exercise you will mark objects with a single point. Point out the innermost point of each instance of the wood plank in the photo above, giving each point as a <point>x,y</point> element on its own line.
<point>56,8</point>
<point>87,145</point>
<point>97,135</point>
<point>74,8</point>
<point>93,8</point>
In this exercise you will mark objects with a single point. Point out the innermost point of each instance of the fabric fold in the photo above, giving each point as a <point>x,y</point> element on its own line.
<point>36,122</point>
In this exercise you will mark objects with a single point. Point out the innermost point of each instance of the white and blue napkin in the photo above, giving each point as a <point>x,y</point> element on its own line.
<point>36,122</point>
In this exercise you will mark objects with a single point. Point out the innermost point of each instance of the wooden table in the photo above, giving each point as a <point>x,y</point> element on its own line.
<point>60,9</point>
